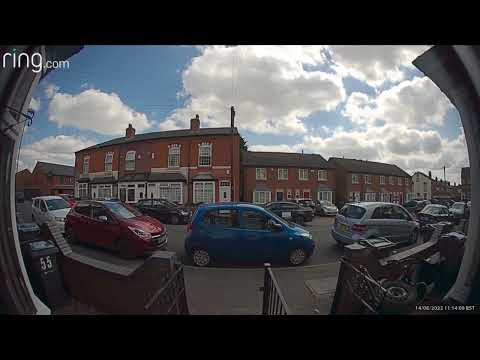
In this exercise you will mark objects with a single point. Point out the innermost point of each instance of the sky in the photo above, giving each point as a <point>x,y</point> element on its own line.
<point>362,102</point>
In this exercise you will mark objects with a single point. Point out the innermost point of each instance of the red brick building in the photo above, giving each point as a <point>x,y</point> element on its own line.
<point>46,179</point>
<point>359,180</point>
<point>186,166</point>
<point>272,176</point>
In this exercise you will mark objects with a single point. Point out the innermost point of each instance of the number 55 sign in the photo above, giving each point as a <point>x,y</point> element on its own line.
<point>46,263</point>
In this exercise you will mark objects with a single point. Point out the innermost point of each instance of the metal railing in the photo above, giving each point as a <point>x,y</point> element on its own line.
<point>171,299</point>
<point>273,300</point>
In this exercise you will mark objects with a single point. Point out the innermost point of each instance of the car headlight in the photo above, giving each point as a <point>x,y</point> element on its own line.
<point>140,233</point>
<point>59,219</point>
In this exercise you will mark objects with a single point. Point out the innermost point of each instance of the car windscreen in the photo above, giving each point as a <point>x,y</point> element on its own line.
<point>353,212</point>
<point>122,210</point>
<point>56,204</point>
<point>458,206</point>
<point>326,203</point>
<point>432,210</point>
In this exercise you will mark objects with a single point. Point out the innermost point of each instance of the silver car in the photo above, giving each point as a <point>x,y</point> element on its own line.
<point>366,220</point>
<point>325,208</point>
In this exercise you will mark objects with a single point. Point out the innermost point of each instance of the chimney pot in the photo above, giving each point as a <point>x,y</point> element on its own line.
<point>232,116</point>
<point>195,123</point>
<point>130,132</point>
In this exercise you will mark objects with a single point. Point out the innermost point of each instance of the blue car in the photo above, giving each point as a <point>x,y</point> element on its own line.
<point>245,233</point>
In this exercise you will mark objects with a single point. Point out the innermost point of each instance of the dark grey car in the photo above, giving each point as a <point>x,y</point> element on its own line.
<point>374,219</point>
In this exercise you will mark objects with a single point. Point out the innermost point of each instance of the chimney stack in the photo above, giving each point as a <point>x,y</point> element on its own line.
<point>195,123</point>
<point>430,174</point>
<point>130,132</point>
<point>232,117</point>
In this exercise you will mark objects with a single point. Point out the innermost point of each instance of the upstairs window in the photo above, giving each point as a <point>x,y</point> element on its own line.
<point>368,179</point>
<point>382,180</point>
<point>354,179</point>
<point>302,174</point>
<point>108,161</point>
<point>282,174</point>
<point>205,154</point>
<point>174,156</point>
<point>322,175</point>
<point>130,160</point>
<point>392,180</point>
<point>261,174</point>
<point>86,162</point>
<point>400,181</point>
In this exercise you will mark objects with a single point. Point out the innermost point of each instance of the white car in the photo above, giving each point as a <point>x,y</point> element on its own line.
<point>50,208</point>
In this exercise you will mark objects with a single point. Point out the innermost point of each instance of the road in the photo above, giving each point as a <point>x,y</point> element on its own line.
<point>326,250</point>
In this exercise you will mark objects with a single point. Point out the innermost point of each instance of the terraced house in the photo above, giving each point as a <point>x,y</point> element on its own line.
<point>360,180</point>
<point>277,176</point>
<point>184,166</point>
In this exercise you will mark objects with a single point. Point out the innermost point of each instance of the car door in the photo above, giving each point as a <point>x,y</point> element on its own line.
<point>80,222</point>
<point>162,211</point>
<point>35,210</point>
<point>43,213</point>
<point>223,234</point>
<point>404,224</point>
<point>382,222</point>
<point>259,243</point>
<point>103,233</point>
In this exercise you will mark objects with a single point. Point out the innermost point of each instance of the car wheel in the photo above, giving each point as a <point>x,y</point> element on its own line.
<point>414,237</point>
<point>174,219</point>
<point>201,257</point>
<point>297,257</point>
<point>124,249</point>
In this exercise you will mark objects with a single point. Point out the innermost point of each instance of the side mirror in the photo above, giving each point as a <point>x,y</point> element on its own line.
<point>274,226</point>
<point>103,218</point>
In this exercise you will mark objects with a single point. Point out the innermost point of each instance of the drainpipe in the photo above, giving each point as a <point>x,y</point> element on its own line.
<point>456,71</point>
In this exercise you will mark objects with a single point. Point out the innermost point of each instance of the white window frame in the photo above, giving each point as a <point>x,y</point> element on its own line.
<point>322,175</point>
<point>204,152</point>
<point>261,171</point>
<point>400,181</point>
<point>302,172</point>
<point>86,161</point>
<point>325,195</point>
<point>368,179</point>
<point>289,194</point>
<point>83,190</point>
<point>262,197</point>
<point>199,194</point>
<point>108,161</point>
<point>130,159</point>
<point>391,180</point>
<point>104,189</point>
<point>370,196</point>
<point>282,171</point>
<point>355,179</point>
<point>174,153</point>
<point>382,179</point>
<point>171,191</point>
<point>297,193</point>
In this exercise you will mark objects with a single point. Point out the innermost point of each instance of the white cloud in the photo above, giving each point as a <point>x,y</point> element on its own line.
<point>96,111</point>
<point>374,64</point>
<point>51,90</point>
<point>271,90</point>
<point>417,103</point>
<point>35,104</point>
<point>58,149</point>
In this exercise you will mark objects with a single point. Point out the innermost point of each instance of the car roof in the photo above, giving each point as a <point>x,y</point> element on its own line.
<point>436,205</point>
<point>50,197</point>
<point>97,202</point>
<point>226,205</point>
<point>370,204</point>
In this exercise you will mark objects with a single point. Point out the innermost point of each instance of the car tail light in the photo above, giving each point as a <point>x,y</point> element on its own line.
<point>359,228</point>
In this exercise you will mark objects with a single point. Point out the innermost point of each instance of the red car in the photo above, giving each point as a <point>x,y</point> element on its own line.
<point>69,198</point>
<point>115,225</point>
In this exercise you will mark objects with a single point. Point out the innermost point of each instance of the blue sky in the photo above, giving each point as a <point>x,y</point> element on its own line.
<point>336,101</point>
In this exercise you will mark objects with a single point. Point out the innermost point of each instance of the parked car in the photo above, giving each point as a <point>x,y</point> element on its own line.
<point>432,214</point>
<point>374,219</point>
<point>164,210</point>
<point>459,210</point>
<point>50,208</point>
<point>325,208</point>
<point>291,211</point>
<point>415,206</point>
<point>245,233</point>
<point>117,226</point>
<point>68,198</point>
<point>305,203</point>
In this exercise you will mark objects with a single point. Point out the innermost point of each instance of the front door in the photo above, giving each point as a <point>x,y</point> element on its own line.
<point>279,195</point>
<point>225,191</point>
<point>123,194</point>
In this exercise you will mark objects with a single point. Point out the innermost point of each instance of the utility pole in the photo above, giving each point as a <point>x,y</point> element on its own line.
<point>444,174</point>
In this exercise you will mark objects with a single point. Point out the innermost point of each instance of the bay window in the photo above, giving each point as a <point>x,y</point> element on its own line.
<point>261,197</point>
<point>203,191</point>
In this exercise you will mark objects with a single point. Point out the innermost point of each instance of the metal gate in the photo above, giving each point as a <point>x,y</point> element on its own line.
<point>273,301</point>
